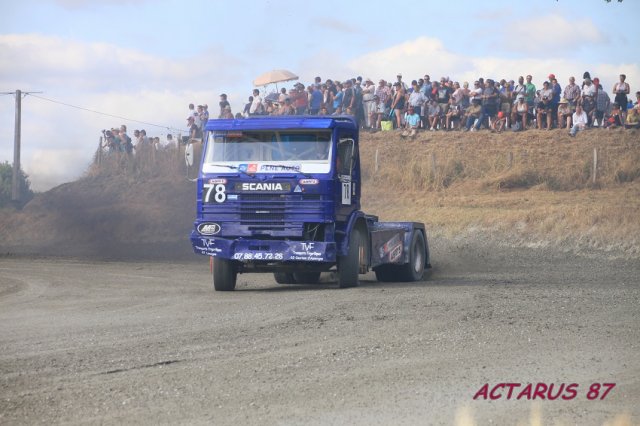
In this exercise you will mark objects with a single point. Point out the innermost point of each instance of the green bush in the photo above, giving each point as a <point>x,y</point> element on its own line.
<point>6,179</point>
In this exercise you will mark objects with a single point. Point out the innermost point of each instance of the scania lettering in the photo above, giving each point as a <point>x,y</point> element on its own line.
<point>282,195</point>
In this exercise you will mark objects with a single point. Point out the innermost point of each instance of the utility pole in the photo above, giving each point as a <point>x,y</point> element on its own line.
<point>15,183</point>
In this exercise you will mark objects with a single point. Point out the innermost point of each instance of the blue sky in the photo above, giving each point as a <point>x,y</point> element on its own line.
<point>147,60</point>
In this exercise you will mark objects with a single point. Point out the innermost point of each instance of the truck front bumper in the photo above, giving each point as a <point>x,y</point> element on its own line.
<point>264,250</point>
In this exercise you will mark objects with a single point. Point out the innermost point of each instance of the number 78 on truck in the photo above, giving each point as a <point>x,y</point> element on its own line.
<point>282,195</point>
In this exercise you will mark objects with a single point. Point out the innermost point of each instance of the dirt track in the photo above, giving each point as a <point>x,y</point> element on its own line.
<point>152,343</point>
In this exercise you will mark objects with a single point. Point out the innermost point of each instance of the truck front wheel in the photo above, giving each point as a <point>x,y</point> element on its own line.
<point>224,274</point>
<point>349,266</point>
<point>284,277</point>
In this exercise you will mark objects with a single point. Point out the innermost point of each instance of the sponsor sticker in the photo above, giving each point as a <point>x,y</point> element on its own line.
<point>216,181</point>
<point>309,181</point>
<point>208,228</point>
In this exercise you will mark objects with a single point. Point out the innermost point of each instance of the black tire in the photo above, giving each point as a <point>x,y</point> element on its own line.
<point>284,277</point>
<point>349,265</point>
<point>224,274</point>
<point>414,270</point>
<point>306,277</point>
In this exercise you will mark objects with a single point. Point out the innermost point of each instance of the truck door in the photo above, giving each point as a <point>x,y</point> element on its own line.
<point>347,193</point>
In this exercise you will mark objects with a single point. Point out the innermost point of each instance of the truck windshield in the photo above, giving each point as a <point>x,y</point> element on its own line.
<point>264,149</point>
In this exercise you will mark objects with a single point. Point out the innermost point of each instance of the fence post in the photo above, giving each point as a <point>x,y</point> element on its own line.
<point>433,166</point>
<point>595,165</point>
<point>376,166</point>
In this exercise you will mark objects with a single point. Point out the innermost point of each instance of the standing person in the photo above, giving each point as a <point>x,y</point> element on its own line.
<point>300,100</point>
<point>416,98</point>
<point>383,95</point>
<point>125,140</point>
<point>621,89</point>
<point>348,99</point>
<point>397,105</point>
<point>519,89</point>
<point>337,99</point>
<point>256,107</point>
<point>602,103</point>
<point>572,93</point>
<point>315,99</point>
<point>402,83</point>
<point>530,92</point>
<point>223,104</point>
<point>557,94</point>
<point>368,105</point>
<point>204,117</point>
<point>579,121</point>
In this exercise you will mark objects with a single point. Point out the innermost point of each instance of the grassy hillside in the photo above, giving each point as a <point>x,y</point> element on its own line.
<point>530,188</point>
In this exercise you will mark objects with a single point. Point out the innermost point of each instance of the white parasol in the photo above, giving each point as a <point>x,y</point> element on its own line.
<point>274,76</point>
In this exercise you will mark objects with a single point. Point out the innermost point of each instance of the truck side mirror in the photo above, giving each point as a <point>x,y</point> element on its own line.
<point>345,158</point>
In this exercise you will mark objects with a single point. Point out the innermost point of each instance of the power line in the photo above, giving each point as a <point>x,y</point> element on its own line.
<point>105,113</point>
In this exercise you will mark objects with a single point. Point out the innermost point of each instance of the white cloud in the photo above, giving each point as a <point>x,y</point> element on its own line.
<point>427,55</point>
<point>549,35</point>
<point>58,141</point>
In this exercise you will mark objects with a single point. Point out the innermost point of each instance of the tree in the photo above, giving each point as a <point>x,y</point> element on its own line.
<point>6,179</point>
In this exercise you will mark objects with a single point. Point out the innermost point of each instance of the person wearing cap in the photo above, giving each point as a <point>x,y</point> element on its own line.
<point>299,98</point>
<point>368,106</point>
<point>564,114</point>
<point>520,113</point>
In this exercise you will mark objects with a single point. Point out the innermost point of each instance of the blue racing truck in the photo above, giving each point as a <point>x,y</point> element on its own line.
<point>282,195</point>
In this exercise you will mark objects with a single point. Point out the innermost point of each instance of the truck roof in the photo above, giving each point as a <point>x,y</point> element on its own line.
<point>283,122</point>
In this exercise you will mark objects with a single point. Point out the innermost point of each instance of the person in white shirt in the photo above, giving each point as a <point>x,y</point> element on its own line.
<point>579,121</point>
<point>256,106</point>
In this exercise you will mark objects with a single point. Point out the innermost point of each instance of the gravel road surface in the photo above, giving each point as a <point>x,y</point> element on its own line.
<point>152,343</point>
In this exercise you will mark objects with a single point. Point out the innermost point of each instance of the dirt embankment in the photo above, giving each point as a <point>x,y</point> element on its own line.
<point>530,188</point>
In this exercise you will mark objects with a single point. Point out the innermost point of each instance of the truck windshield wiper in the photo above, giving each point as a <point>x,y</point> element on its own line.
<point>229,166</point>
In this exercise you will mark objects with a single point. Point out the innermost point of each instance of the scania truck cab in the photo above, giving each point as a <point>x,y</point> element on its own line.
<point>282,195</point>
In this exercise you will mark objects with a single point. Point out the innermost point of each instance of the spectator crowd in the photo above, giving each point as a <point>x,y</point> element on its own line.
<point>444,105</point>
<point>447,105</point>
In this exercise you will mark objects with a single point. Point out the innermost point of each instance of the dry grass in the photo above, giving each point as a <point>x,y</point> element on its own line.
<point>530,188</point>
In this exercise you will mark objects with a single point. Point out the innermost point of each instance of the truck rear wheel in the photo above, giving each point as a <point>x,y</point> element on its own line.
<point>284,277</point>
<point>306,277</point>
<point>386,273</point>
<point>349,265</point>
<point>224,274</point>
<point>414,270</point>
